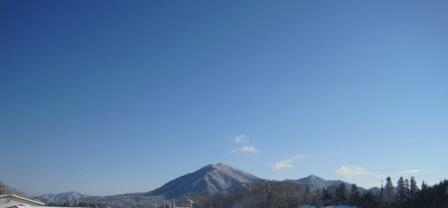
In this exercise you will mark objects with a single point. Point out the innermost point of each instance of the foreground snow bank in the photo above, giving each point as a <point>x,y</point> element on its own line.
<point>339,206</point>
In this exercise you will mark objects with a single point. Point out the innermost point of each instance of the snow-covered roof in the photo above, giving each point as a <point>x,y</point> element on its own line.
<point>7,201</point>
<point>14,201</point>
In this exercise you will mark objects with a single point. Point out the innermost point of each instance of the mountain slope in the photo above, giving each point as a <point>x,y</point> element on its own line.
<point>62,197</point>
<point>316,183</point>
<point>210,179</point>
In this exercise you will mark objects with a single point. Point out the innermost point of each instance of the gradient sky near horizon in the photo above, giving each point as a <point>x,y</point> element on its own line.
<point>109,97</point>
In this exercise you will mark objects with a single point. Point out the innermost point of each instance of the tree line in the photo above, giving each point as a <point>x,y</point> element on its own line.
<point>405,194</point>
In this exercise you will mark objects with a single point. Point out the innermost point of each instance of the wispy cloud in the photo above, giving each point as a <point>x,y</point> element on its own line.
<point>356,171</point>
<point>242,139</point>
<point>410,171</point>
<point>288,163</point>
<point>351,172</point>
<point>247,149</point>
<point>368,178</point>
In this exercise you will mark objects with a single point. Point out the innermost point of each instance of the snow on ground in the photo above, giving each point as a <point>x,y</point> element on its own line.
<point>306,206</point>
<point>338,206</point>
<point>341,206</point>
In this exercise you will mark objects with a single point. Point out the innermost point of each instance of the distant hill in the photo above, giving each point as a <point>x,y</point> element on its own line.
<point>316,182</point>
<point>211,179</point>
<point>62,197</point>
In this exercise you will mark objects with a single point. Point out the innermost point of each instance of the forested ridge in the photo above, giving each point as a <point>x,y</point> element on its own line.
<point>406,193</point>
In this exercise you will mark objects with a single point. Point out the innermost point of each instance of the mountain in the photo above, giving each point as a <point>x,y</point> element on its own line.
<point>211,179</point>
<point>316,183</point>
<point>62,197</point>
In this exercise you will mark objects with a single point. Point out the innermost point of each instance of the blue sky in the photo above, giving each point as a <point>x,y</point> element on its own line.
<point>108,97</point>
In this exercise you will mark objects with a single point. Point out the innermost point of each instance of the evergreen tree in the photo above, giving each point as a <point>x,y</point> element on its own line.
<point>369,200</point>
<point>413,189</point>
<point>402,193</point>
<point>407,192</point>
<point>341,194</point>
<point>382,190</point>
<point>389,190</point>
<point>354,194</point>
<point>424,186</point>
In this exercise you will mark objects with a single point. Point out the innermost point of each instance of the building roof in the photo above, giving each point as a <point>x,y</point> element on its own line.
<point>14,201</point>
<point>7,201</point>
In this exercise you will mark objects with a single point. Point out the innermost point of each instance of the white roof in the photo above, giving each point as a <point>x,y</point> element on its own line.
<point>13,201</point>
<point>7,201</point>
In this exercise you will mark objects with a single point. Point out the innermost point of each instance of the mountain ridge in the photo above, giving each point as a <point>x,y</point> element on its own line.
<point>211,179</point>
<point>316,183</point>
<point>62,197</point>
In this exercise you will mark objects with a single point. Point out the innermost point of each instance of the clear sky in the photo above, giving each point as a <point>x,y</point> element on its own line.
<point>108,97</point>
